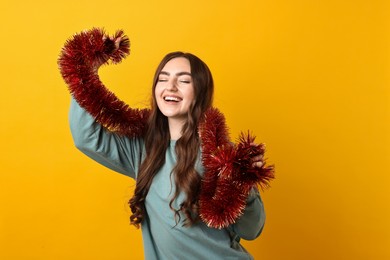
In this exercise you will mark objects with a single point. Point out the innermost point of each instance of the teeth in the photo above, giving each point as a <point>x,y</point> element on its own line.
<point>171,99</point>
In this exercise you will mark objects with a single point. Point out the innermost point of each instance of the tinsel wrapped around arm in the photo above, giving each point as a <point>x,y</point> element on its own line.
<point>79,62</point>
<point>229,172</point>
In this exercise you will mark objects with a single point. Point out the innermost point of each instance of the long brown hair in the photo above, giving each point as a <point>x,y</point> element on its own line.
<point>157,139</point>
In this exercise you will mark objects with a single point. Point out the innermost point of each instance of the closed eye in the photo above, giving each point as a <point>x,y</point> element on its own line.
<point>162,80</point>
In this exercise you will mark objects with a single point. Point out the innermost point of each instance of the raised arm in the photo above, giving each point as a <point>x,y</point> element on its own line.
<point>79,61</point>
<point>117,152</point>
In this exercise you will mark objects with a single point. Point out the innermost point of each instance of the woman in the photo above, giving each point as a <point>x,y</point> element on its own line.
<point>195,194</point>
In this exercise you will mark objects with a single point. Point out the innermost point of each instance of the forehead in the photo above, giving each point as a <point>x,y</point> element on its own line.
<point>179,64</point>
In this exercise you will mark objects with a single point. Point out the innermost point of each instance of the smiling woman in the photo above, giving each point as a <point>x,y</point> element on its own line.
<point>196,192</point>
<point>174,93</point>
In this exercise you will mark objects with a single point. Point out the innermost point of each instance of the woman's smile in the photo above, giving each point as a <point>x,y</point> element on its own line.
<point>174,89</point>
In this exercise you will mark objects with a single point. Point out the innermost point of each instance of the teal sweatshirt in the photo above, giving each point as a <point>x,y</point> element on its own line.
<point>162,237</point>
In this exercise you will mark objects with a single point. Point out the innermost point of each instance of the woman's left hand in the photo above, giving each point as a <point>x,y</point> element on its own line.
<point>257,161</point>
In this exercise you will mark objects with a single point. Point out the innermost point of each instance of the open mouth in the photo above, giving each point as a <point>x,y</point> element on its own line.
<point>172,99</point>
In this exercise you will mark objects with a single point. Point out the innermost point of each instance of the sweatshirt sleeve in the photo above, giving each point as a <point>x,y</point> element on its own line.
<point>117,152</point>
<point>250,225</point>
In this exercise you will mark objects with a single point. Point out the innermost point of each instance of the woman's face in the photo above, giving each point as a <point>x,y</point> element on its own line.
<point>174,91</point>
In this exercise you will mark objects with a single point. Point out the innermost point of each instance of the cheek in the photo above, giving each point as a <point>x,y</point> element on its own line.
<point>190,94</point>
<point>156,95</point>
<point>192,97</point>
<point>157,92</point>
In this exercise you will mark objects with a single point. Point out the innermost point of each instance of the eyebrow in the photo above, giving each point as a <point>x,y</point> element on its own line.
<point>177,74</point>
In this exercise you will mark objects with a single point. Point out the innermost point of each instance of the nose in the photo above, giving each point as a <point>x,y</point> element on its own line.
<point>171,86</point>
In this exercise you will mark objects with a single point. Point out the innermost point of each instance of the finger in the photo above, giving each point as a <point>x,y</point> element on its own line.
<point>118,41</point>
<point>258,164</point>
<point>257,158</point>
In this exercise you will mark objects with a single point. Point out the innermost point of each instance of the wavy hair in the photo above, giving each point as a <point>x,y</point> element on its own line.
<point>157,139</point>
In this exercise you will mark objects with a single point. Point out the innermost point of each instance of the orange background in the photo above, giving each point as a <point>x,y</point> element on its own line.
<point>309,78</point>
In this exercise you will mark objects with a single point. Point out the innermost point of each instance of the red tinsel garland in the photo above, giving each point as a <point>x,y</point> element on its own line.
<point>229,175</point>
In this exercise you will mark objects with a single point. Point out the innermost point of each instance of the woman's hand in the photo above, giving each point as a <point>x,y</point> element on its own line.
<point>257,155</point>
<point>257,161</point>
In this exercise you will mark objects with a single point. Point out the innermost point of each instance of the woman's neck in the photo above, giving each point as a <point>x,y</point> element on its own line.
<point>175,128</point>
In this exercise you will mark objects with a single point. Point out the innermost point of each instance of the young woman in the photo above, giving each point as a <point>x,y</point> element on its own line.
<point>196,192</point>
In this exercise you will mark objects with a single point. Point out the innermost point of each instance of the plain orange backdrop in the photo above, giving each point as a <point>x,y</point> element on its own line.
<point>308,78</point>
